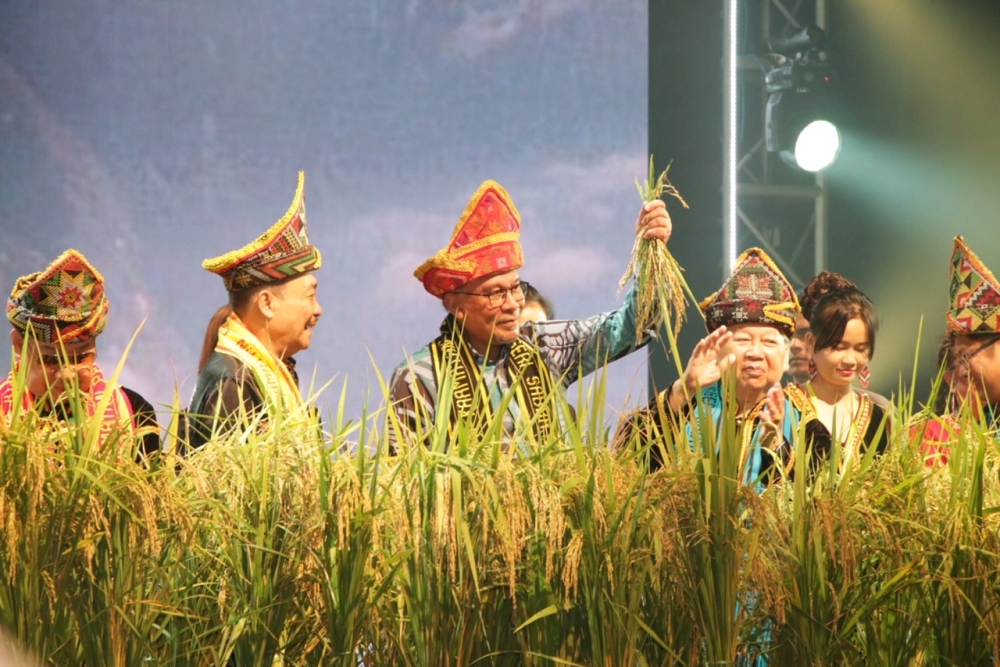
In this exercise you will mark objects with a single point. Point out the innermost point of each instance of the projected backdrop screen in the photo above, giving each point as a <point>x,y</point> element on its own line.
<point>151,135</point>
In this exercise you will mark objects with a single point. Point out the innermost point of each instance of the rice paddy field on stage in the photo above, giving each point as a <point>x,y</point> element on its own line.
<point>285,547</point>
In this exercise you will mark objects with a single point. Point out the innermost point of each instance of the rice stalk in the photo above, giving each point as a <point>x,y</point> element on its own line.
<point>659,280</point>
<point>279,546</point>
<point>260,496</point>
<point>964,554</point>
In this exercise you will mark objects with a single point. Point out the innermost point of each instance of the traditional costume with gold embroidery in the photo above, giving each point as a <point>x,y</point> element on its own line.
<point>859,421</point>
<point>973,310</point>
<point>975,294</point>
<point>66,304</point>
<point>547,354</point>
<point>242,378</point>
<point>283,251</point>
<point>755,293</point>
<point>869,425</point>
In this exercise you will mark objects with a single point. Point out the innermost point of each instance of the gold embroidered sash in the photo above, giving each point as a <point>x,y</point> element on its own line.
<point>528,375</point>
<point>276,383</point>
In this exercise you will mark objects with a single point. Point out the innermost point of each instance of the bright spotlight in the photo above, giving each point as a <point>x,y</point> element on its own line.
<point>817,146</point>
<point>800,123</point>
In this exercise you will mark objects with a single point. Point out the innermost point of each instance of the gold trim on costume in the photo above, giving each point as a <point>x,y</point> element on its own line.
<point>859,424</point>
<point>492,244</point>
<point>474,203</point>
<point>275,380</point>
<point>443,259</point>
<point>707,301</point>
<point>727,306</point>
<point>234,257</point>
<point>800,399</point>
<point>527,374</point>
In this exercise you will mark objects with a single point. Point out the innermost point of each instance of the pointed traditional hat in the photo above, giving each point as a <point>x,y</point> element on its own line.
<point>755,293</point>
<point>485,240</point>
<point>975,294</point>
<point>281,252</point>
<point>65,303</point>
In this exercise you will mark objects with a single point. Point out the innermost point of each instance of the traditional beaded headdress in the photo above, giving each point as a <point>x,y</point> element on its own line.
<point>485,240</point>
<point>280,252</point>
<point>755,293</point>
<point>975,294</point>
<point>65,303</point>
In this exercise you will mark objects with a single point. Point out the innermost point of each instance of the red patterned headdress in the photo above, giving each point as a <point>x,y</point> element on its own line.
<point>975,294</point>
<point>65,303</point>
<point>756,293</point>
<point>280,252</point>
<point>485,241</point>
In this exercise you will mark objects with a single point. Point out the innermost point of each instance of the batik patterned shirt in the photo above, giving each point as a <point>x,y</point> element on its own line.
<point>570,349</point>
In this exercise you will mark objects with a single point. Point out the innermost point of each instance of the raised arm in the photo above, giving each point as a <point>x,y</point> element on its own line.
<point>705,367</point>
<point>575,348</point>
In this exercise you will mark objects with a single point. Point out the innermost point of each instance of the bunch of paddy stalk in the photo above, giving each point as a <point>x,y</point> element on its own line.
<point>287,546</point>
<point>659,280</point>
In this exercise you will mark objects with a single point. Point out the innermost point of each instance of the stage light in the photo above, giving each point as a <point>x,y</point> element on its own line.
<point>801,116</point>
<point>817,145</point>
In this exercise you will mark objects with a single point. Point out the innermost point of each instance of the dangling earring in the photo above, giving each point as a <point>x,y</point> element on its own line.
<point>865,376</point>
<point>813,371</point>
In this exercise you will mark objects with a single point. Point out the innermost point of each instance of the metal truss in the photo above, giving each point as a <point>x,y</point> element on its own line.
<point>777,207</point>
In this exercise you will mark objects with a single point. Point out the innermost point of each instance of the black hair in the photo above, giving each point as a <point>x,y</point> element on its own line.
<point>824,282</point>
<point>532,295</point>
<point>241,300</point>
<point>212,335</point>
<point>831,313</point>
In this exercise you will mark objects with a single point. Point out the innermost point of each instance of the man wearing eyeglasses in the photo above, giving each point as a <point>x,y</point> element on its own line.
<point>974,324</point>
<point>484,356</point>
<point>57,315</point>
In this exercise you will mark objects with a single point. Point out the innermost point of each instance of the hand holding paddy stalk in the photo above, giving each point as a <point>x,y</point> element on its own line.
<point>654,222</point>
<point>660,285</point>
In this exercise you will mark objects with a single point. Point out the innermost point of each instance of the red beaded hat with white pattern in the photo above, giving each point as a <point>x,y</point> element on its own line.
<point>755,293</point>
<point>65,303</point>
<point>485,240</point>
<point>281,252</point>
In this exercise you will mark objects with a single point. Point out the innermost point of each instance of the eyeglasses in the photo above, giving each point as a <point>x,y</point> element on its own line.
<point>966,356</point>
<point>498,297</point>
<point>84,357</point>
<point>56,361</point>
